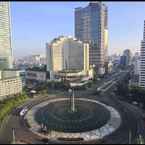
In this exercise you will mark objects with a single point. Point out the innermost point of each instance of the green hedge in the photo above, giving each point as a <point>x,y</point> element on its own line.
<point>7,106</point>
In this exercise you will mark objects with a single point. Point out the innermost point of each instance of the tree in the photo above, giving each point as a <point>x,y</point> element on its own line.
<point>137,94</point>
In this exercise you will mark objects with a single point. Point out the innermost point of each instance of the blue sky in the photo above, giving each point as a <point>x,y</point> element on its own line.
<point>35,23</point>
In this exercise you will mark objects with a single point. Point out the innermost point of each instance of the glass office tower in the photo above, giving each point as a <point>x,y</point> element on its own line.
<point>5,36</point>
<point>91,26</point>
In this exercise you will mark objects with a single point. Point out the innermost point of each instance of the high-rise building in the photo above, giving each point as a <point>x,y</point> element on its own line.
<point>67,53</point>
<point>127,54</point>
<point>5,36</point>
<point>136,63</point>
<point>10,81</point>
<point>125,59</point>
<point>142,61</point>
<point>91,26</point>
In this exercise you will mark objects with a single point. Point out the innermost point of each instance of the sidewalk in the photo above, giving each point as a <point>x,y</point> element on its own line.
<point>5,131</point>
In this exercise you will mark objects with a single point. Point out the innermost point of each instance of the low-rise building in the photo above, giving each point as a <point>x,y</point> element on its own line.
<point>30,61</point>
<point>35,76</point>
<point>39,76</point>
<point>10,84</point>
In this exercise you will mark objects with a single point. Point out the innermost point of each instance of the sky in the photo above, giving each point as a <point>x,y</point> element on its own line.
<point>35,23</point>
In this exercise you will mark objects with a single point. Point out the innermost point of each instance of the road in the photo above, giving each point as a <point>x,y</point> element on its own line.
<point>130,115</point>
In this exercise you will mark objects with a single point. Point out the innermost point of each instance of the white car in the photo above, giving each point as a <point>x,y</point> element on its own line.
<point>135,103</point>
<point>22,113</point>
<point>33,92</point>
<point>98,89</point>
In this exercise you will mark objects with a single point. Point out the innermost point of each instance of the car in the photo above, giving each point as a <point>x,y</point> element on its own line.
<point>23,111</point>
<point>135,103</point>
<point>33,92</point>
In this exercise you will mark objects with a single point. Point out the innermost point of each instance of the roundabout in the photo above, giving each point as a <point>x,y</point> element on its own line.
<point>119,120</point>
<point>87,119</point>
<point>90,120</point>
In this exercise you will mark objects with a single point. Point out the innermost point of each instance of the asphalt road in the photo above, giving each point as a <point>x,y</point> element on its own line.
<point>131,116</point>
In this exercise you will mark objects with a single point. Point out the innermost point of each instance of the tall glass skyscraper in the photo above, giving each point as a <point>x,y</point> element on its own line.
<point>5,36</point>
<point>91,26</point>
<point>142,61</point>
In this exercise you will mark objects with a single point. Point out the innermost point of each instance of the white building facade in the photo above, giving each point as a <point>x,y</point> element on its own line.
<point>10,84</point>
<point>67,53</point>
<point>142,62</point>
<point>5,36</point>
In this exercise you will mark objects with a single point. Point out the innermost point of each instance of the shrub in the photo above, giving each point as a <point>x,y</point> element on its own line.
<point>10,104</point>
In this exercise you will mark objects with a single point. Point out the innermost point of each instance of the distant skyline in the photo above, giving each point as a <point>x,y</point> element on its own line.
<point>35,23</point>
